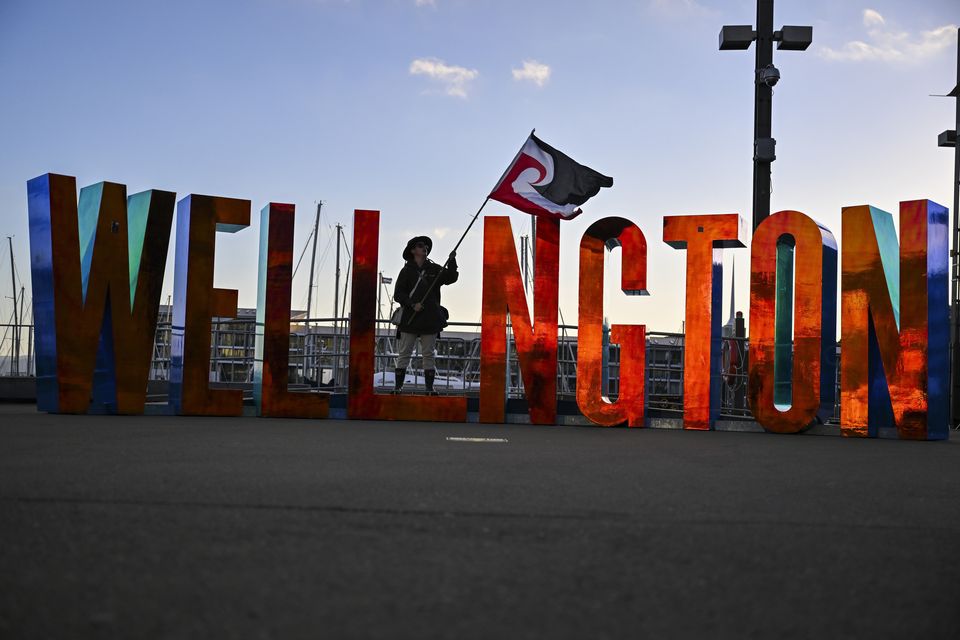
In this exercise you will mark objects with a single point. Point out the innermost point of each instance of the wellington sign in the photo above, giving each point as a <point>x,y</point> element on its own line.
<point>98,266</point>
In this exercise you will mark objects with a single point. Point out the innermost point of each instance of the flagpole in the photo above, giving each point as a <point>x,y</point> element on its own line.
<point>512,162</point>
<point>457,246</point>
<point>475,216</point>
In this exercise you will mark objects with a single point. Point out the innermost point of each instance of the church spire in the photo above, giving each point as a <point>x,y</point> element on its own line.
<point>733,292</point>
<point>730,327</point>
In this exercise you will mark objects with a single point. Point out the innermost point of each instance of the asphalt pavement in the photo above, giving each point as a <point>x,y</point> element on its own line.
<point>162,527</point>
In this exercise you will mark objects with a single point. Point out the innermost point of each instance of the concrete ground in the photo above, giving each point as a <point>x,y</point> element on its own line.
<point>159,527</point>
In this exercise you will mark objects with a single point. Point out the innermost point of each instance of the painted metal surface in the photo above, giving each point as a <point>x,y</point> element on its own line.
<point>536,340</point>
<point>609,233</point>
<point>783,342</point>
<point>363,402</point>
<point>810,389</point>
<point>196,301</point>
<point>704,237</point>
<point>97,270</point>
<point>271,366</point>
<point>894,322</point>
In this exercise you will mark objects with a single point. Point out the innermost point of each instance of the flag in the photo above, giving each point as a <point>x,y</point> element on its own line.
<point>545,182</point>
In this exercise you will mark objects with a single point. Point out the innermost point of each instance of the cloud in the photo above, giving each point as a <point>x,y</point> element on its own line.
<point>439,232</point>
<point>886,44</point>
<point>456,80</point>
<point>532,71</point>
<point>680,9</point>
<point>426,3</point>
<point>872,18</point>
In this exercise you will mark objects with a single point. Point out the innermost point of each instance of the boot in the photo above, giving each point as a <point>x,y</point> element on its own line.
<point>428,377</point>
<point>398,377</point>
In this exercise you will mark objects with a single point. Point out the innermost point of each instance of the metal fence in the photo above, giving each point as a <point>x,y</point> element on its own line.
<point>320,355</point>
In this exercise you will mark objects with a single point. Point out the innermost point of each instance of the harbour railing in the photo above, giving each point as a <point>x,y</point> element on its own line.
<point>320,356</point>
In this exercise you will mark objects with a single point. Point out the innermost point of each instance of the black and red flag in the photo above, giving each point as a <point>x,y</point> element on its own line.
<point>545,182</point>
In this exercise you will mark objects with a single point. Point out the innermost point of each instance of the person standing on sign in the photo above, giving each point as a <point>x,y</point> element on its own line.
<point>418,293</point>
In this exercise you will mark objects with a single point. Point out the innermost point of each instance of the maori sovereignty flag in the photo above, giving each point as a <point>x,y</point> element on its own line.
<point>545,182</point>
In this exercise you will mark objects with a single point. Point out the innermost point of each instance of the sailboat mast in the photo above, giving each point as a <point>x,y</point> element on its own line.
<point>313,262</point>
<point>15,364</point>
<point>336,281</point>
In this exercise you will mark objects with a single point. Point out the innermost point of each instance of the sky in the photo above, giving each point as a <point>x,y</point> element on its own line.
<point>416,107</point>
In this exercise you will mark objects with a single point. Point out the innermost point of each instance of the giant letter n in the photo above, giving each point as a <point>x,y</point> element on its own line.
<point>894,327</point>
<point>536,341</point>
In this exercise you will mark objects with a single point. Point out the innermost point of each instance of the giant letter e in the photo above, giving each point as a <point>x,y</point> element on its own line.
<point>195,301</point>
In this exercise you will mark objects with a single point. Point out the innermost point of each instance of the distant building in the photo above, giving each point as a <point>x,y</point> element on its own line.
<point>319,356</point>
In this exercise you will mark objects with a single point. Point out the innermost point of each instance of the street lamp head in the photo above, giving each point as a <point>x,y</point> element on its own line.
<point>947,139</point>
<point>737,36</point>
<point>769,75</point>
<point>793,38</point>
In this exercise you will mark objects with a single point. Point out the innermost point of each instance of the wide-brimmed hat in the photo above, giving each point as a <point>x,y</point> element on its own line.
<point>408,251</point>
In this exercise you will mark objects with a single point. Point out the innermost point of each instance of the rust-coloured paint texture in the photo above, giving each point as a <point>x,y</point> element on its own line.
<point>536,340</point>
<point>704,237</point>
<point>97,270</point>
<point>814,321</point>
<point>271,366</point>
<point>196,301</point>
<point>363,402</point>
<point>894,322</point>
<point>604,234</point>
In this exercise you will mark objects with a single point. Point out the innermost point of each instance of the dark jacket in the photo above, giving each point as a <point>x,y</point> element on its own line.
<point>431,319</point>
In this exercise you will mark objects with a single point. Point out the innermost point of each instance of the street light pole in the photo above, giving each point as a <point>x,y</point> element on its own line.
<point>789,38</point>
<point>763,114</point>
<point>949,139</point>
